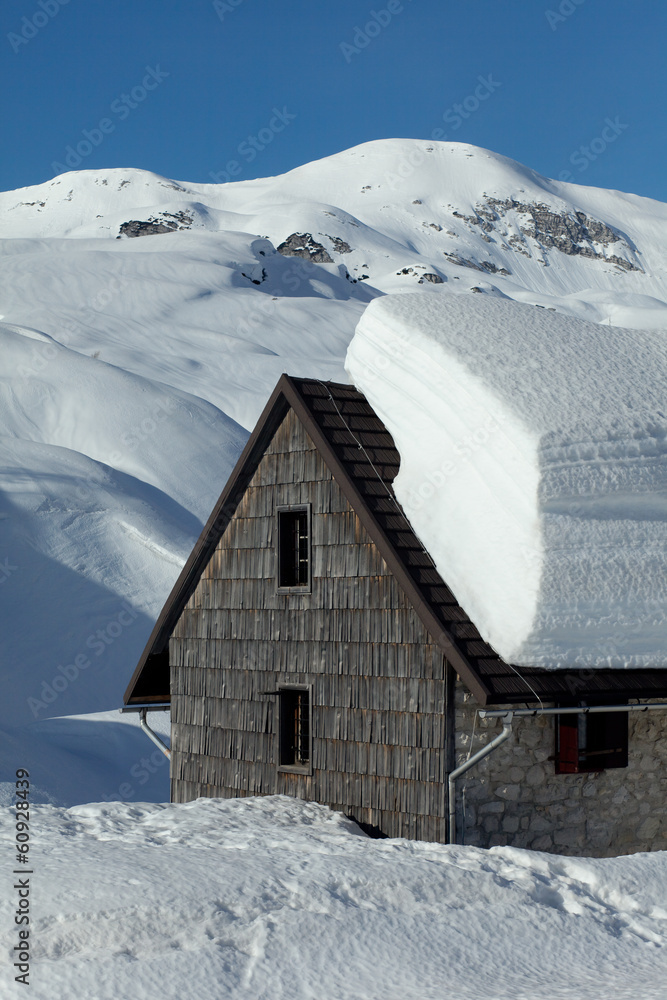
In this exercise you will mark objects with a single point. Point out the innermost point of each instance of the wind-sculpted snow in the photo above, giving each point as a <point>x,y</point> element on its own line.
<point>279,898</point>
<point>533,468</point>
<point>106,477</point>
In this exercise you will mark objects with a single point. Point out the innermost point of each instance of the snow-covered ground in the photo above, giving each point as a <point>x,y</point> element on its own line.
<point>134,368</point>
<point>533,468</point>
<point>275,899</point>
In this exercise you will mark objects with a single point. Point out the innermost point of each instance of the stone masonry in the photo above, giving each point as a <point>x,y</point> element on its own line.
<point>515,798</point>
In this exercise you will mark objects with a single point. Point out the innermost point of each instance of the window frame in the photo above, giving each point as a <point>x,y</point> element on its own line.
<point>305,768</point>
<point>597,752</point>
<point>301,588</point>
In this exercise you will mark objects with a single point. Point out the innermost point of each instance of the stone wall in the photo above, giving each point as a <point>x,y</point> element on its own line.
<point>514,797</point>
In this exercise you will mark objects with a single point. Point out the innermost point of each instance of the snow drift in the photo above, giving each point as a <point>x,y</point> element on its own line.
<point>533,468</point>
<point>276,898</point>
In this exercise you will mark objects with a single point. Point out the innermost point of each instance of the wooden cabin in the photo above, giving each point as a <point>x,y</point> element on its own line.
<point>311,648</point>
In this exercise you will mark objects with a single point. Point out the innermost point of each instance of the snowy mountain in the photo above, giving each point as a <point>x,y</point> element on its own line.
<point>143,324</point>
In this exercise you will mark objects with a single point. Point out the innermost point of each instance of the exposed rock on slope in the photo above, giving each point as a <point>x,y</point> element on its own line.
<point>167,222</point>
<point>573,233</point>
<point>303,245</point>
<point>339,245</point>
<point>486,265</point>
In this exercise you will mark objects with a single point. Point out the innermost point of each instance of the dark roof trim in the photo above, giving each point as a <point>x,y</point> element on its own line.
<point>284,396</point>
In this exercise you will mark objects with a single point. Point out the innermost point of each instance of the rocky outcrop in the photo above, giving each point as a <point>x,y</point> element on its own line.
<point>516,223</point>
<point>136,228</point>
<point>487,266</point>
<point>167,222</point>
<point>340,246</point>
<point>303,245</point>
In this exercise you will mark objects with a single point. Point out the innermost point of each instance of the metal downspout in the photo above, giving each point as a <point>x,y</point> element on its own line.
<point>153,736</point>
<point>471,762</point>
<point>449,743</point>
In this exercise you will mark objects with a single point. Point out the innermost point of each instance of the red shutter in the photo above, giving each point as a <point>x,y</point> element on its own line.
<point>567,752</point>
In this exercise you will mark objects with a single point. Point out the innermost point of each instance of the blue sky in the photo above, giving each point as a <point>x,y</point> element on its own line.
<point>197,89</point>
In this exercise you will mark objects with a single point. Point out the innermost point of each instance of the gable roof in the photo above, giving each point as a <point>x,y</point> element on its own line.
<point>361,455</point>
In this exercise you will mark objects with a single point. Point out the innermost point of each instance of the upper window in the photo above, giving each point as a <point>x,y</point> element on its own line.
<point>294,548</point>
<point>591,742</point>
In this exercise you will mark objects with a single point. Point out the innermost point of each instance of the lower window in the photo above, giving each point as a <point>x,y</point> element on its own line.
<point>294,720</point>
<point>591,742</point>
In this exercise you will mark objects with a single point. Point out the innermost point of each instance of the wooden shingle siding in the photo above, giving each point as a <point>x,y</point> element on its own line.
<point>378,679</point>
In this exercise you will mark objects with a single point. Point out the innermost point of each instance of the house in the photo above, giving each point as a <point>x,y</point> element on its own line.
<point>310,647</point>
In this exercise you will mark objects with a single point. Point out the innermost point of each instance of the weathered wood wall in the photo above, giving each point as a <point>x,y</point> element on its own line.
<point>378,680</point>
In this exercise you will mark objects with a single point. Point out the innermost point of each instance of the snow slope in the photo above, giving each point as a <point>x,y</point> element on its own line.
<point>133,369</point>
<point>276,898</point>
<point>397,204</point>
<point>533,468</point>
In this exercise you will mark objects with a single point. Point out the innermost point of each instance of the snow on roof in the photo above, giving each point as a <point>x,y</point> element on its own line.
<point>533,468</point>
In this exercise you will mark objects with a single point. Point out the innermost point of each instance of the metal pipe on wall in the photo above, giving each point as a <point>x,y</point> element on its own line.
<point>475,759</point>
<point>153,736</point>
<point>498,713</point>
